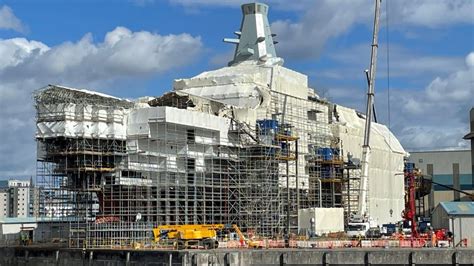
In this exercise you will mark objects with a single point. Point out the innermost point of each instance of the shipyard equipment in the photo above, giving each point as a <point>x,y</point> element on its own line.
<point>362,218</point>
<point>189,235</point>
<point>197,235</point>
<point>250,243</point>
<point>410,212</point>
<point>415,183</point>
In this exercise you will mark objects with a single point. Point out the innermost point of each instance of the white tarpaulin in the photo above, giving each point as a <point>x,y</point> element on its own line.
<point>386,183</point>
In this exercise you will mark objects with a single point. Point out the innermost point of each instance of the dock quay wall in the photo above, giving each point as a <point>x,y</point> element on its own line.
<point>237,257</point>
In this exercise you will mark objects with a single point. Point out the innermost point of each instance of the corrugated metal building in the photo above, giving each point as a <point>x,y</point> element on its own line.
<point>450,168</point>
<point>458,217</point>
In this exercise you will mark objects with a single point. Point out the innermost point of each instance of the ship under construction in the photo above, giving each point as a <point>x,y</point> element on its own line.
<point>248,144</point>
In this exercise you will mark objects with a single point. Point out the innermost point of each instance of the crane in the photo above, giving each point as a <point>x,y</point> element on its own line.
<point>409,214</point>
<point>194,235</point>
<point>412,184</point>
<point>361,220</point>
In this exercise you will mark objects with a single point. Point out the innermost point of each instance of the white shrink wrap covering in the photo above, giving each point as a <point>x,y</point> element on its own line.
<point>386,183</point>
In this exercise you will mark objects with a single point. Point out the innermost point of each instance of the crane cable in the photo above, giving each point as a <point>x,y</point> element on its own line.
<point>388,64</point>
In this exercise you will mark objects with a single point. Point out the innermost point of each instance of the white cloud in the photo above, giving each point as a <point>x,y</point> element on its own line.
<point>328,19</point>
<point>435,117</point>
<point>432,13</point>
<point>26,65</point>
<point>123,53</point>
<point>9,21</point>
<point>428,13</point>
<point>322,21</point>
<point>319,21</point>
<point>17,50</point>
<point>422,138</point>
<point>454,92</point>
<point>404,62</point>
<point>277,4</point>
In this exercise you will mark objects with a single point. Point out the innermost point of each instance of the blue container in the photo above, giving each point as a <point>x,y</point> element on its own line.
<point>319,152</point>
<point>325,153</point>
<point>267,125</point>
<point>409,167</point>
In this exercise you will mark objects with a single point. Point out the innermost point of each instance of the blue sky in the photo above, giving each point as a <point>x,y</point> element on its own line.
<point>136,48</point>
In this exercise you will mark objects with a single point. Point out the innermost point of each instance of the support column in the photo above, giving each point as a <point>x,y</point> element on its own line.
<point>456,182</point>
<point>472,147</point>
<point>429,171</point>
<point>470,136</point>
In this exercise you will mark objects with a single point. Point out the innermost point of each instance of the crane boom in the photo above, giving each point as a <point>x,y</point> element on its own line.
<point>365,160</point>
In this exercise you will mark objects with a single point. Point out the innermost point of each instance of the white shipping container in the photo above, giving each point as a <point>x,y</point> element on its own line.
<point>320,220</point>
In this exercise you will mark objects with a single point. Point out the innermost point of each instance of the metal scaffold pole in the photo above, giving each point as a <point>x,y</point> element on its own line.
<point>287,204</point>
<point>297,181</point>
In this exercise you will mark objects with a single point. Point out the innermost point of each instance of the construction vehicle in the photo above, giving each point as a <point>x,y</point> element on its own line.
<point>361,220</point>
<point>373,233</point>
<point>414,180</point>
<point>409,214</point>
<point>388,229</point>
<point>250,243</point>
<point>197,235</point>
<point>184,236</point>
<point>357,229</point>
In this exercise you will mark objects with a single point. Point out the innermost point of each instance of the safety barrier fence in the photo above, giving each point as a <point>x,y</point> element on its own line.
<point>367,243</point>
<point>328,244</point>
<point>269,244</point>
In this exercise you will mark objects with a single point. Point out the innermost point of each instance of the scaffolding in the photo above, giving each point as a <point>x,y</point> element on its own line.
<point>75,167</point>
<point>113,185</point>
<point>316,179</point>
<point>350,189</point>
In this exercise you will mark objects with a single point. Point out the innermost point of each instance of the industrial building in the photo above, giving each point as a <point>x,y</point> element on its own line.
<point>448,168</point>
<point>447,174</point>
<point>458,217</point>
<point>248,144</point>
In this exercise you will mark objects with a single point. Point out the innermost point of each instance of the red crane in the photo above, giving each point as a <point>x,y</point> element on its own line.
<point>409,214</point>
